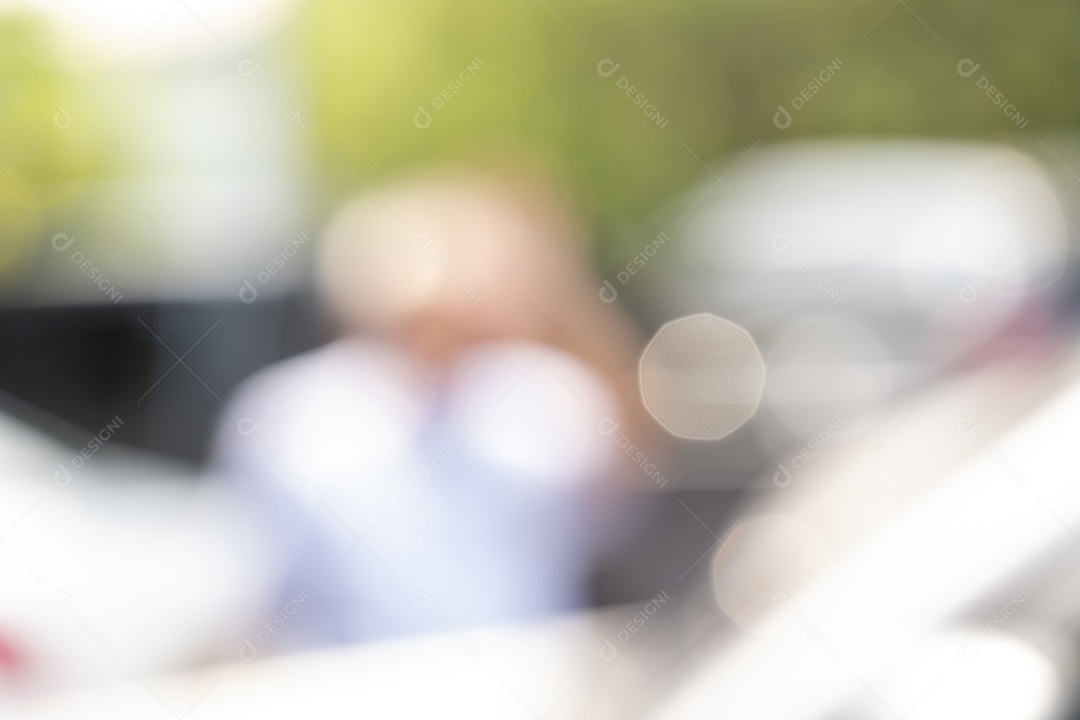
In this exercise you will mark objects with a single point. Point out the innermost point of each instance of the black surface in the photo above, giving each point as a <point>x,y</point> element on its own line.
<point>85,365</point>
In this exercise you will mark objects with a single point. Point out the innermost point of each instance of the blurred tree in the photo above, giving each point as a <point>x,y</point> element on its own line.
<point>47,148</point>
<point>713,72</point>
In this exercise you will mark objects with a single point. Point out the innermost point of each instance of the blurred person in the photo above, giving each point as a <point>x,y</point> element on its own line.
<point>440,464</point>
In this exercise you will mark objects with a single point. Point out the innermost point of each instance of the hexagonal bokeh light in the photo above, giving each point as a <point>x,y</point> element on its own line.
<point>701,377</point>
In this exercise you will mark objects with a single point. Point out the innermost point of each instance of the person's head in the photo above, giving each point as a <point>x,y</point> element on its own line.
<point>451,258</point>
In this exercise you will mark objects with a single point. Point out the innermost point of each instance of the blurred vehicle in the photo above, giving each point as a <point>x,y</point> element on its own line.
<point>864,269</point>
<point>115,564</point>
<point>919,572</point>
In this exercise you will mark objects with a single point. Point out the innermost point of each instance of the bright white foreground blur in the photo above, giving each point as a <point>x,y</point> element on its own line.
<point>930,540</point>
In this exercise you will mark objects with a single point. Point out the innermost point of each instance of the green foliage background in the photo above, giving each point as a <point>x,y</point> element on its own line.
<point>716,69</point>
<point>41,165</point>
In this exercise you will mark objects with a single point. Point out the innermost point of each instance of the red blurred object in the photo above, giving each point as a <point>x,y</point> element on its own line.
<point>12,661</point>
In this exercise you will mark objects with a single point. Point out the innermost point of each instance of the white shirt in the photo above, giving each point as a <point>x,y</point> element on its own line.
<point>396,507</point>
